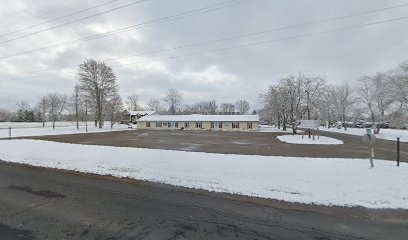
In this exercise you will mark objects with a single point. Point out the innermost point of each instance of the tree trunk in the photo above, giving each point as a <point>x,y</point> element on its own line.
<point>344,123</point>
<point>77,116</point>
<point>43,114</point>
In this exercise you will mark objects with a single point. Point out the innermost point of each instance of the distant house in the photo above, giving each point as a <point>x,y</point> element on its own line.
<point>129,116</point>
<point>198,121</point>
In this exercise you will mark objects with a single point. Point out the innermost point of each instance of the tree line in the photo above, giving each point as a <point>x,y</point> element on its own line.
<point>96,96</point>
<point>380,97</point>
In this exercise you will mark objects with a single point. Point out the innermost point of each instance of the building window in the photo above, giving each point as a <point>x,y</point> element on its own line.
<point>249,125</point>
<point>216,124</point>
<point>235,125</point>
<point>147,124</point>
<point>159,124</point>
<point>176,124</point>
<point>199,125</point>
<point>165,124</point>
<point>186,125</point>
<point>169,124</point>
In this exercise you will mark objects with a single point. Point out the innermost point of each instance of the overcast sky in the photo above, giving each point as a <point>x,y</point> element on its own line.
<point>219,70</point>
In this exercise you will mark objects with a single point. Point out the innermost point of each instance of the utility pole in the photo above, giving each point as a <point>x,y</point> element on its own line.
<point>308,110</point>
<point>86,115</point>
<point>398,151</point>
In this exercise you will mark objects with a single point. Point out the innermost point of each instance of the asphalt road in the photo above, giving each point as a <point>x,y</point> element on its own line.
<point>38,203</point>
<point>252,143</point>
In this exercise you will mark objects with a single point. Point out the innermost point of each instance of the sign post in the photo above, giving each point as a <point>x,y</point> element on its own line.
<point>311,125</point>
<point>398,151</point>
<point>369,139</point>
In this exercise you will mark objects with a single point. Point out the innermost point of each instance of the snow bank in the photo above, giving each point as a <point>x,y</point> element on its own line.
<point>43,131</point>
<point>344,182</point>
<point>386,134</point>
<point>297,139</point>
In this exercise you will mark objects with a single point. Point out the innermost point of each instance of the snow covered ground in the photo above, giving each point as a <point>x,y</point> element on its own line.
<point>344,182</point>
<point>387,134</point>
<point>32,129</point>
<point>297,139</point>
<point>47,124</point>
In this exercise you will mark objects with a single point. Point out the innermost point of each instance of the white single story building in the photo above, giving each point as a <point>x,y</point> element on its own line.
<point>129,116</point>
<point>198,121</point>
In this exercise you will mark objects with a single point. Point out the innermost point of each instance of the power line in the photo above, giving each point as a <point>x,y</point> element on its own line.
<point>244,45</point>
<point>227,38</point>
<point>56,19</point>
<point>49,12</point>
<point>140,25</point>
<point>74,21</point>
<point>174,17</point>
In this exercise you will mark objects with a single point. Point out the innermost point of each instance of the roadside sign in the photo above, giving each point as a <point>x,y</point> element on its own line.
<point>310,124</point>
<point>369,139</point>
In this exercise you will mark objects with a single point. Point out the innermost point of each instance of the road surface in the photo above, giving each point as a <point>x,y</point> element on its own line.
<point>246,143</point>
<point>39,203</point>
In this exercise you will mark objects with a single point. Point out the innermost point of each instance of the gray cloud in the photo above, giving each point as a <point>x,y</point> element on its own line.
<point>223,75</point>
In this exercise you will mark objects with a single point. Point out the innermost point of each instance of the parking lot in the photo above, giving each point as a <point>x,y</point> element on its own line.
<point>247,143</point>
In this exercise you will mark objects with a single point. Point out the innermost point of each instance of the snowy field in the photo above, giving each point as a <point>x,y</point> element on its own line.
<point>47,124</point>
<point>297,139</point>
<point>343,182</point>
<point>386,134</point>
<point>36,129</point>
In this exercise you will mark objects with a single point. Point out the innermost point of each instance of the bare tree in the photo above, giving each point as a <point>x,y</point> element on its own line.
<point>384,96</point>
<point>56,105</point>
<point>297,94</point>
<point>204,107</point>
<point>242,106</point>
<point>213,107</point>
<point>98,85</point>
<point>227,108</point>
<point>378,95</point>
<point>43,106</point>
<point>367,94</point>
<point>326,105</point>
<point>114,109</point>
<point>399,81</point>
<point>173,100</point>
<point>154,105</point>
<point>132,102</point>
<point>292,97</point>
<point>343,101</point>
